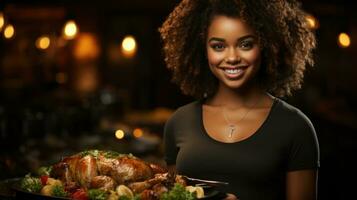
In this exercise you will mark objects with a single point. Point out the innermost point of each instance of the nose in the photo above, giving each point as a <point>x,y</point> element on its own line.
<point>232,56</point>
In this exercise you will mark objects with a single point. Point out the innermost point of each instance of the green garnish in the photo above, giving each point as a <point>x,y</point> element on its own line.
<point>58,191</point>
<point>93,153</point>
<point>111,154</point>
<point>137,197</point>
<point>107,154</point>
<point>31,184</point>
<point>178,192</point>
<point>44,171</point>
<point>124,198</point>
<point>97,194</point>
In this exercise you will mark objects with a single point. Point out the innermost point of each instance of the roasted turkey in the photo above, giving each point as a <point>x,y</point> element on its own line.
<point>106,169</point>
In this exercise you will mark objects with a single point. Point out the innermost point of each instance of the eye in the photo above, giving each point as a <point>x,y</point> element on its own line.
<point>246,45</point>
<point>218,47</point>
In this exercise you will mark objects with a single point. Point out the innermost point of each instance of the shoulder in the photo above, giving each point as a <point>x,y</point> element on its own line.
<point>295,127</point>
<point>187,109</point>
<point>291,117</point>
<point>290,112</point>
<point>299,136</point>
<point>185,112</point>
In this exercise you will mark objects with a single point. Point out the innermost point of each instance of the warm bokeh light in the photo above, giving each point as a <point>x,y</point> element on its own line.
<point>86,77</point>
<point>138,132</point>
<point>344,40</point>
<point>61,78</point>
<point>119,134</point>
<point>70,30</point>
<point>9,31</point>
<point>86,46</point>
<point>2,20</point>
<point>43,42</point>
<point>312,22</point>
<point>129,43</point>
<point>128,46</point>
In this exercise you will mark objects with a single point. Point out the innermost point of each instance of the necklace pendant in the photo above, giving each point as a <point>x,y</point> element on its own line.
<point>232,129</point>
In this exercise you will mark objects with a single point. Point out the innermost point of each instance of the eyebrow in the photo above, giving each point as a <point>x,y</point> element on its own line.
<point>223,40</point>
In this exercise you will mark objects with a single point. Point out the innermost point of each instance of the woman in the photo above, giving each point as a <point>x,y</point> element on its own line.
<point>237,57</point>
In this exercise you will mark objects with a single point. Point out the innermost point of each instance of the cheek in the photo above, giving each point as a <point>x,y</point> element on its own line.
<point>214,58</point>
<point>253,57</point>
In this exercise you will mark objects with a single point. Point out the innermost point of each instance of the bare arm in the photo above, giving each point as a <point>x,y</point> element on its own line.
<point>301,185</point>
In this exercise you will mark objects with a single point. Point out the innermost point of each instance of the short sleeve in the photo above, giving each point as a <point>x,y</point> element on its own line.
<point>304,149</point>
<point>170,147</point>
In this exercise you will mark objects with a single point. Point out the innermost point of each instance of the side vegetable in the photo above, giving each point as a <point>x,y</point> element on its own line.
<point>44,171</point>
<point>80,194</point>
<point>53,187</point>
<point>96,194</point>
<point>178,192</point>
<point>197,190</point>
<point>31,184</point>
<point>58,191</point>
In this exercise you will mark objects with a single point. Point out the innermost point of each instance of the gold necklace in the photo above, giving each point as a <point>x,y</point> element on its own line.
<point>232,127</point>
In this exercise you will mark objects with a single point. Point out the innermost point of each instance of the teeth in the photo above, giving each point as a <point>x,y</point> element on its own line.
<point>232,71</point>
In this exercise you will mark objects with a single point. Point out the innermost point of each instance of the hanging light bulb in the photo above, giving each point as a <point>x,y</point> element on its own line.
<point>119,134</point>
<point>2,20</point>
<point>128,46</point>
<point>9,31</point>
<point>344,40</point>
<point>43,42</point>
<point>70,30</point>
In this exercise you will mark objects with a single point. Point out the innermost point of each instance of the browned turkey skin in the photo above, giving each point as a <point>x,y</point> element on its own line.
<point>98,170</point>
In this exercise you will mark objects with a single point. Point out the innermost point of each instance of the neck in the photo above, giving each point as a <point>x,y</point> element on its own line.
<point>234,99</point>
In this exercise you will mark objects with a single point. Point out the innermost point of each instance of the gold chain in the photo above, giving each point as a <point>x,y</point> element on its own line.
<point>232,126</point>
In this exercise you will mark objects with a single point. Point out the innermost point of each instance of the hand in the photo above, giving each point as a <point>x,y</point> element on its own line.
<point>230,197</point>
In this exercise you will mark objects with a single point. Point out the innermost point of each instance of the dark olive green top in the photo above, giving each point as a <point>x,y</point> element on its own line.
<point>255,167</point>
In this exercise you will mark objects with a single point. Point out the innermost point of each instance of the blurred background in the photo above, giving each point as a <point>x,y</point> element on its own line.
<point>77,75</point>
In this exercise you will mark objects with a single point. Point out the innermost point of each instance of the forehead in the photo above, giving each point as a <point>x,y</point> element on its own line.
<point>227,27</point>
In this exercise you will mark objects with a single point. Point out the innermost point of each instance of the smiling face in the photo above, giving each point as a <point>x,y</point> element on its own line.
<point>233,52</point>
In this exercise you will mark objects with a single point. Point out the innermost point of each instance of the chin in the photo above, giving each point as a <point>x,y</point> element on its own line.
<point>235,85</point>
<point>241,84</point>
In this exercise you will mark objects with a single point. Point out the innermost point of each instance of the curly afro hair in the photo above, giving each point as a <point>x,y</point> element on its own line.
<point>280,25</point>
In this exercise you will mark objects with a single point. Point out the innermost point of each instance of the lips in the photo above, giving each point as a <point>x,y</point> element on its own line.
<point>234,72</point>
